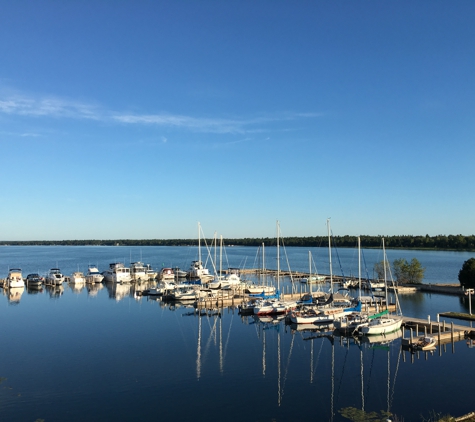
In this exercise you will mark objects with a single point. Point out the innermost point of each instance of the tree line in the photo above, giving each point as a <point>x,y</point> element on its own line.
<point>439,242</point>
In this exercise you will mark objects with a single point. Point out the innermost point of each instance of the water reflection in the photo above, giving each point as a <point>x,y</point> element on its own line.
<point>94,289</point>
<point>54,291</point>
<point>14,295</point>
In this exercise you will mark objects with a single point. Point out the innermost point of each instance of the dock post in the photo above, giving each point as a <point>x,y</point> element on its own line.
<point>412,337</point>
<point>444,325</point>
<point>452,331</point>
<point>438,336</point>
<point>425,331</point>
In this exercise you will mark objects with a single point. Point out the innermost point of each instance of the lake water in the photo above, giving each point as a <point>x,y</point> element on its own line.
<point>105,354</point>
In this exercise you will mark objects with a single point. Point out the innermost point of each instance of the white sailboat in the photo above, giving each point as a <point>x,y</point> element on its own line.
<point>383,322</point>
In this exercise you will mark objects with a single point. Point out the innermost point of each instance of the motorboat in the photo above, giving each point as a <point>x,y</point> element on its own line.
<point>425,343</point>
<point>93,275</point>
<point>14,278</point>
<point>77,277</point>
<point>151,273</point>
<point>313,279</point>
<point>167,274</point>
<point>179,273</point>
<point>198,271</point>
<point>34,280</point>
<point>54,277</point>
<point>138,271</point>
<point>117,273</point>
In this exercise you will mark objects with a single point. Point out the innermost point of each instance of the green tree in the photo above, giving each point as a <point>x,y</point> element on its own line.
<point>467,274</point>
<point>379,269</point>
<point>406,272</point>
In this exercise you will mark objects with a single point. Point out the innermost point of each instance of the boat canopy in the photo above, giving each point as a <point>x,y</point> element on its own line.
<point>378,315</point>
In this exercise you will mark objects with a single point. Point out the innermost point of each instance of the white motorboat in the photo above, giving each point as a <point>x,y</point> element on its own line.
<point>93,275</point>
<point>54,277</point>
<point>151,273</point>
<point>138,271</point>
<point>14,278</point>
<point>198,271</point>
<point>167,274</point>
<point>77,277</point>
<point>117,273</point>
<point>313,279</point>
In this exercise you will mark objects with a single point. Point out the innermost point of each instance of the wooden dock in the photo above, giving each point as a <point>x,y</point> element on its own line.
<point>442,331</point>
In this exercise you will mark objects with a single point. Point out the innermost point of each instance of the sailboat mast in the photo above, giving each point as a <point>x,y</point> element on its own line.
<point>278,257</point>
<point>310,272</point>
<point>385,277</point>
<point>330,256</point>
<point>199,242</point>
<point>359,265</point>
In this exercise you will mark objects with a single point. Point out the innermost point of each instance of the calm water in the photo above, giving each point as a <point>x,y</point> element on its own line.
<point>105,355</point>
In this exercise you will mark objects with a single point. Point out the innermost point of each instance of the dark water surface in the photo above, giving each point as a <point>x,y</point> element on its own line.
<point>105,354</point>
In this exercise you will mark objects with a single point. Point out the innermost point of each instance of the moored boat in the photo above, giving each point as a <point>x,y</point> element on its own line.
<point>54,277</point>
<point>77,277</point>
<point>14,278</point>
<point>34,280</point>
<point>138,271</point>
<point>93,275</point>
<point>117,273</point>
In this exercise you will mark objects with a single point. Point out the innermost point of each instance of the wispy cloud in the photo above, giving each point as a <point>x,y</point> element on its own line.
<point>203,124</point>
<point>23,105</point>
<point>48,107</point>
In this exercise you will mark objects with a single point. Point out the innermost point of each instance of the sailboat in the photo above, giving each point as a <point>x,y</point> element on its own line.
<point>197,269</point>
<point>275,306</point>
<point>383,322</point>
<point>351,322</point>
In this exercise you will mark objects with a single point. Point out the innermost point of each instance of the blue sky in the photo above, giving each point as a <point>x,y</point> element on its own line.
<point>138,120</point>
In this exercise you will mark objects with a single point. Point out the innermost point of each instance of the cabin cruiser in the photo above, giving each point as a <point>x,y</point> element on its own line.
<point>14,278</point>
<point>151,273</point>
<point>167,274</point>
<point>34,281</point>
<point>198,271</point>
<point>138,271</point>
<point>77,277</point>
<point>54,277</point>
<point>117,273</point>
<point>93,275</point>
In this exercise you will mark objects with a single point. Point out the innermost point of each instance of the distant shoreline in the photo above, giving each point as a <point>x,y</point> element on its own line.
<point>430,243</point>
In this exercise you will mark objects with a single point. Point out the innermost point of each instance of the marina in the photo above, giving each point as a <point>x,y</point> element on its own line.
<point>115,341</point>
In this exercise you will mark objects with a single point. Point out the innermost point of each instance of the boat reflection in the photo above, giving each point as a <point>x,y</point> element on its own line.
<point>14,295</point>
<point>55,291</point>
<point>93,289</point>
<point>118,291</point>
